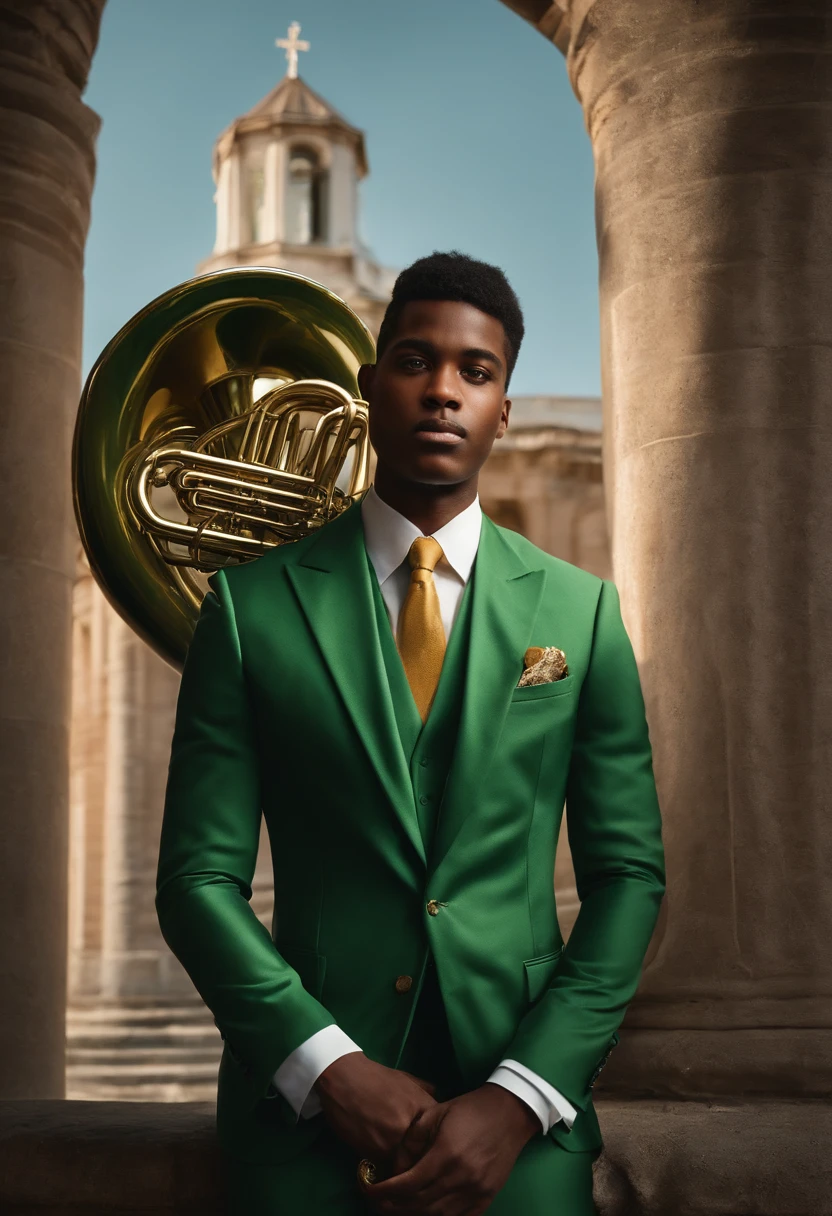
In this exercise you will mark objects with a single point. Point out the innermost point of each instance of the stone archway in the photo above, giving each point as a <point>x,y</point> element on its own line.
<point>713,150</point>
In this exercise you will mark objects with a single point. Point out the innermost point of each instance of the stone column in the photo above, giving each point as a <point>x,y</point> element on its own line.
<point>274,170</point>
<point>710,125</point>
<point>222,198</point>
<point>46,176</point>
<point>236,203</point>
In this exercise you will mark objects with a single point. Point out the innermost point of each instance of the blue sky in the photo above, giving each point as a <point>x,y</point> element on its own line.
<point>474,136</point>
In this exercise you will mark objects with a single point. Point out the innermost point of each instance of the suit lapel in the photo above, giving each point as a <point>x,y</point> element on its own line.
<point>332,583</point>
<point>507,592</point>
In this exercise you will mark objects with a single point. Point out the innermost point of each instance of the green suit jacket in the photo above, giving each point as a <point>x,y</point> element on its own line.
<point>285,709</point>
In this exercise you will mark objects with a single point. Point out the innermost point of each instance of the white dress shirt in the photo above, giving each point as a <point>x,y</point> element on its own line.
<point>388,537</point>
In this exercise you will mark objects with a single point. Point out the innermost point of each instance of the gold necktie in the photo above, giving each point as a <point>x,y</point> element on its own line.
<point>421,634</point>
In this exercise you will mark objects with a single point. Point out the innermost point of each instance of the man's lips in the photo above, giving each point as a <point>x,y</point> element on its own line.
<point>440,430</point>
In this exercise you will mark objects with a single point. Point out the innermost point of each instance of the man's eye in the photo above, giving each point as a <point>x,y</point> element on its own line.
<point>413,363</point>
<point>478,373</point>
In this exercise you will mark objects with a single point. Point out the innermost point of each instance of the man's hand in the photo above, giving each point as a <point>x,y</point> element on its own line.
<point>466,1149</point>
<point>371,1107</point>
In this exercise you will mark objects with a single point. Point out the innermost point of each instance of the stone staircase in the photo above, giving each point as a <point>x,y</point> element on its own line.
<point>138,1052</point>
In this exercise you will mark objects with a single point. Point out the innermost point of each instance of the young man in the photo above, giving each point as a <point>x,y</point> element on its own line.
<point>413,1037</point>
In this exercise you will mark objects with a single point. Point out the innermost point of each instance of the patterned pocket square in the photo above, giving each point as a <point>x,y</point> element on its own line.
<point>543,664</point>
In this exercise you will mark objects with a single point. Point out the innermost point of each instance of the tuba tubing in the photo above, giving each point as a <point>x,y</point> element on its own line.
<point>222,420</point>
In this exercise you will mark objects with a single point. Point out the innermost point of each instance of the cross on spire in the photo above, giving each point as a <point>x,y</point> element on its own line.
<point>292,44</point>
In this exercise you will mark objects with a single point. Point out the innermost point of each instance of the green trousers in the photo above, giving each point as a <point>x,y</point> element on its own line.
<point>546,1180</point>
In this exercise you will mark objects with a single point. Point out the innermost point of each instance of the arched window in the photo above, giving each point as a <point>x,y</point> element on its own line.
<point>305,197</point>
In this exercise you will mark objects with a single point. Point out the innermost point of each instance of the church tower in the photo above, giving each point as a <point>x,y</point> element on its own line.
<point>287,176</point>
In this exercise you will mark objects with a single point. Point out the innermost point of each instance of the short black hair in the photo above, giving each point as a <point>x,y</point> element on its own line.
<point>456,276</point>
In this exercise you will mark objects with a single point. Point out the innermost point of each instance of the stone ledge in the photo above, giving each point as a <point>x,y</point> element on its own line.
<point>760,1158</point>
<point>661,1159</point>
<point>120,1158</point>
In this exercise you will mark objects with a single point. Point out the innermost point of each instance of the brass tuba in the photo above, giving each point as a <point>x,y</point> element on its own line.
<point>222,420</point>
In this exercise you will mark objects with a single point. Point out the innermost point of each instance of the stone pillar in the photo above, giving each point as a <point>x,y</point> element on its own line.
<point>341,222</point>
<point>222,198</point>
<point>274,192</point>
<point>710,125</point>
<point>46,176</point>
<point>236,203</point>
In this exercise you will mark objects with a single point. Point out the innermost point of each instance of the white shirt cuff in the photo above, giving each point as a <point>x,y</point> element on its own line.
<point>302,1067</point>
<point>547,1102</point>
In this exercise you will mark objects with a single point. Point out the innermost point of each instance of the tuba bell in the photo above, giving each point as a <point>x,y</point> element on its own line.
<point>222,420</point>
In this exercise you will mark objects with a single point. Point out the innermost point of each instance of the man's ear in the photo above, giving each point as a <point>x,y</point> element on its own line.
<point>503,427</point>
<point>366,376</point>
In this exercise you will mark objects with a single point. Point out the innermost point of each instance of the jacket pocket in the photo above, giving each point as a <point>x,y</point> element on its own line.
<point>536,692</point>
<point>309,964</point>
<point>539,972</point>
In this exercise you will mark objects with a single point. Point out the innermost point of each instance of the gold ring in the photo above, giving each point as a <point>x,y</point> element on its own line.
<point>366,1172</point>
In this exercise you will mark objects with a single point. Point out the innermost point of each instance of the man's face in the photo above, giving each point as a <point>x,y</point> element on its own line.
<point>437,394</point>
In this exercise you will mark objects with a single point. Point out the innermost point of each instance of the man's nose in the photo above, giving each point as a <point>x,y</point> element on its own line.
<point>442,389</point>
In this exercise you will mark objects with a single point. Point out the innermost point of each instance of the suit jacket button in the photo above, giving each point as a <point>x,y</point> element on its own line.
<point>404,983</point>
<point>433,907</point>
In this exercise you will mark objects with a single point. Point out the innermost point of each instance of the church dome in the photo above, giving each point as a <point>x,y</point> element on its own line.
<point>292,103</point>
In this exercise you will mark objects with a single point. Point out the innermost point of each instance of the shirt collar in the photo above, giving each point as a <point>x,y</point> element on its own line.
<point>389,535</point>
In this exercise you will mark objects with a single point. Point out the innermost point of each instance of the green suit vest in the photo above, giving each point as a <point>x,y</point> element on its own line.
<point>428,748</point>
<point>428,1049</point>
